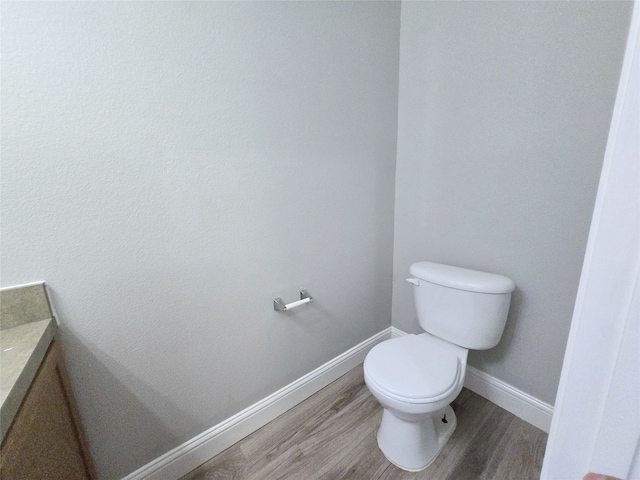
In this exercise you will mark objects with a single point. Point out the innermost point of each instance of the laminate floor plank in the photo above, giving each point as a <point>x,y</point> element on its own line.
<point>348,425</point>
<point>519,454</point>
<point>290,427</point>
<point>319,436</point>
<point>481,446</point>
<point>332,436</point>
<point>363,461</point>
<point>275,469</point>
<point>229,465</point>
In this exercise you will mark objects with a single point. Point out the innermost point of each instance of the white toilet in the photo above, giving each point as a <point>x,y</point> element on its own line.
<point>416,377</point>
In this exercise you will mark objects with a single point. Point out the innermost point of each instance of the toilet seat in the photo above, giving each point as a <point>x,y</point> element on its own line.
<point>414,368</point>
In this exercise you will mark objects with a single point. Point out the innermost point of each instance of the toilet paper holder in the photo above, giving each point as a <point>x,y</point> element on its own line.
<point>279,305</point>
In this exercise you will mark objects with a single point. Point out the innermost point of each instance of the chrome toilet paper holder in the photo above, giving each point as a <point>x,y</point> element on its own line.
<point>279,305</point>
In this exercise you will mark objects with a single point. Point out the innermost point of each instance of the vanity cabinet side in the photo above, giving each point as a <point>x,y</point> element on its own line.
<point>46,439</point>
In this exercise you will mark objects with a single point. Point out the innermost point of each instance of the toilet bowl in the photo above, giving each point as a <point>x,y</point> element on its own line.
<point>416,377</point>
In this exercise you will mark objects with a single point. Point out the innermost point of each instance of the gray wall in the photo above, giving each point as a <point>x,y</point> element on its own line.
<point>169,169</point>
<point>504,109</point>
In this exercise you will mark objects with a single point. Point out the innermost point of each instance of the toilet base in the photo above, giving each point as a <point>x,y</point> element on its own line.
<point>413,445</point>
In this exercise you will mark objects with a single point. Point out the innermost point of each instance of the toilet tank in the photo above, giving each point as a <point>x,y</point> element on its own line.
<point>465,307</point>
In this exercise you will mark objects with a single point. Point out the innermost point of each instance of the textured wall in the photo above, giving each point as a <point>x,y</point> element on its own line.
<point>169,169</point>
<point>504,110</point>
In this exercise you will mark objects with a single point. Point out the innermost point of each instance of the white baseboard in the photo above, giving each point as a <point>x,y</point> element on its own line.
<point>521,404</point>
<point>184,458</point>
<point>396,332</point>
<point>517,402</point>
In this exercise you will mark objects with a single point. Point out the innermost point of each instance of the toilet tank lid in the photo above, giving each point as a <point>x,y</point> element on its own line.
<point>462,278</point>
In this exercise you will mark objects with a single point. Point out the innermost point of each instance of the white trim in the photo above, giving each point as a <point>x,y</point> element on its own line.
<point>521,404</point>
<point>184,458</point>
<point>396,332</point>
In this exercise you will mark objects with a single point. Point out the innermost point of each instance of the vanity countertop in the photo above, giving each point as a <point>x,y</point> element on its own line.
<point>22,348</point>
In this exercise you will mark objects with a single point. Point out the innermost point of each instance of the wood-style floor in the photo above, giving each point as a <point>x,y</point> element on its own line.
<point>332,435</point>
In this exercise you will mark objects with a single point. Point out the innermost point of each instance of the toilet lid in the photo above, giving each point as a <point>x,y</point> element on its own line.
<point>413,367</point>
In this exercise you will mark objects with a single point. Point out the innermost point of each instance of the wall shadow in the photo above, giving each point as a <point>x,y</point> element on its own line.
<point>135,429</point>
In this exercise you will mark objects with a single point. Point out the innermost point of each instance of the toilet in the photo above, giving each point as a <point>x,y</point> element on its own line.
<point>416,377</point>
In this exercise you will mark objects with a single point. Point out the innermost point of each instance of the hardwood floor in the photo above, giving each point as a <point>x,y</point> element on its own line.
<point>332,435</point>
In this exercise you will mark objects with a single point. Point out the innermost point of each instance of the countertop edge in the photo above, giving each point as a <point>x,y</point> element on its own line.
<point>18,392</point>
